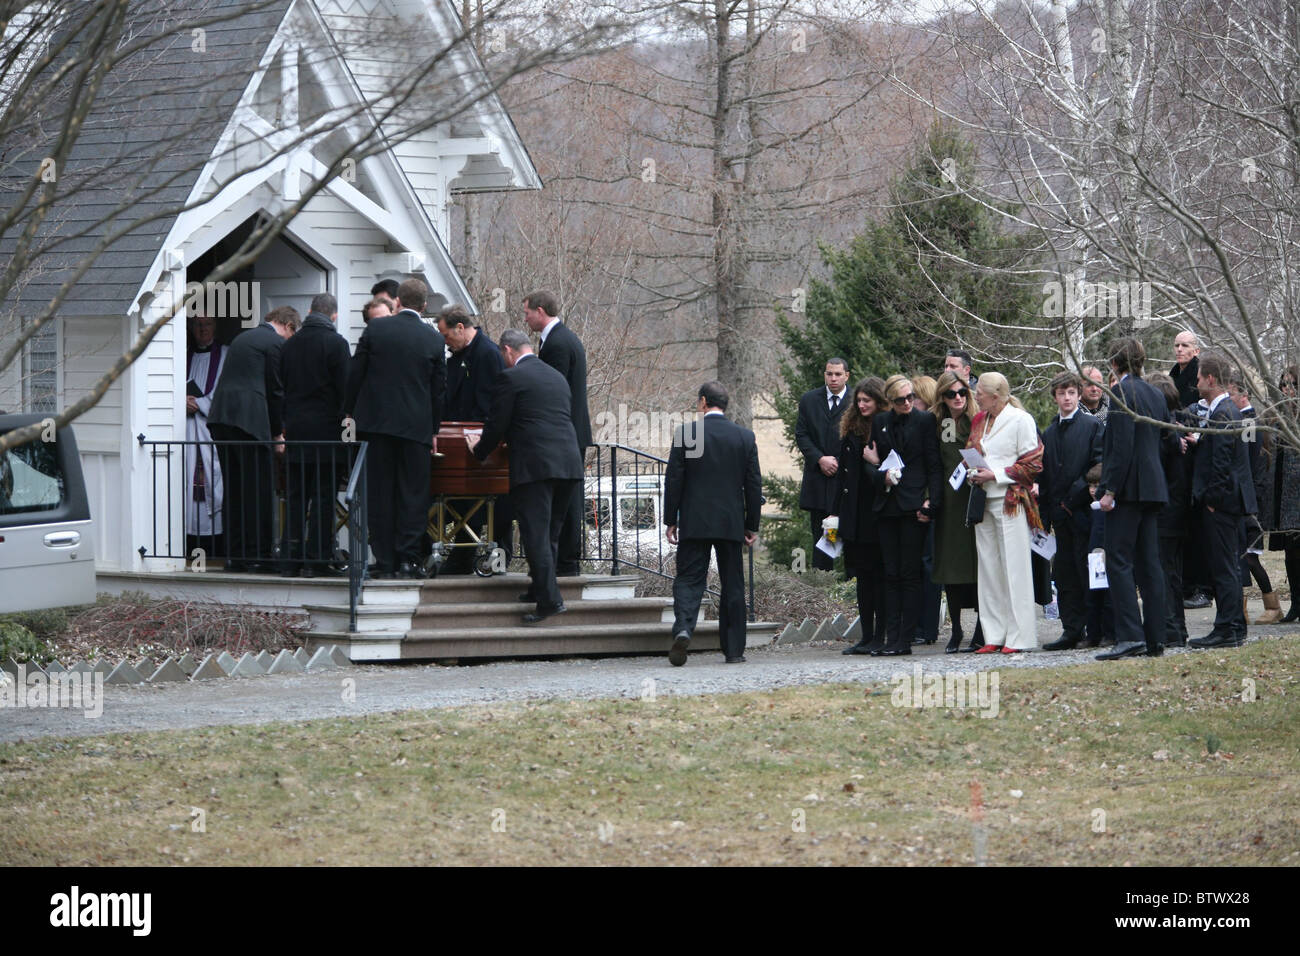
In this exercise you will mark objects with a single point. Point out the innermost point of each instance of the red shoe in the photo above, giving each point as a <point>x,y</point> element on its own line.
<point>989,649</point>
<point>1012,650</point>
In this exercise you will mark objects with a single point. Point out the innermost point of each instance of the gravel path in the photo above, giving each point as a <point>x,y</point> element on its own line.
<point>382,688</point>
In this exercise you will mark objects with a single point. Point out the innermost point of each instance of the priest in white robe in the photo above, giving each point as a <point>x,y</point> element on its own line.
<point>203,491</point>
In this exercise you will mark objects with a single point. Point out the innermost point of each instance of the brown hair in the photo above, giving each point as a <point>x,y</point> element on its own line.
<point>1066,379</point>
<point>285,315</point>
<point>1166,387</point>
<point>946,381</point>
<point>1213,364</point>
<point>852,422</point>
<point>545,301</point>
<point>923,388</point>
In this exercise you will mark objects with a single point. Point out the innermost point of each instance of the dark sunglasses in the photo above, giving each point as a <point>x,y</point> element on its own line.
<point>954,392</point>
<point>904,399</point>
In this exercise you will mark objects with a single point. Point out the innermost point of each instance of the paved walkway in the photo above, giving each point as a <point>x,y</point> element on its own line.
<point>377,689</point>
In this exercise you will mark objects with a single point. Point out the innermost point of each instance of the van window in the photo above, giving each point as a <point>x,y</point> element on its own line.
<point>597,512</point>
<point>30,479</point>
<point>638,513</point>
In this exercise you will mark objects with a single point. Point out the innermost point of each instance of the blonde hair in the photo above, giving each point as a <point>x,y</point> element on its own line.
<point>893,383</point>
<point>923,387</point>
<point>995,383</point>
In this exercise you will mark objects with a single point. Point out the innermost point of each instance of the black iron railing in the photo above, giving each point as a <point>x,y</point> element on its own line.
<point>623,515</point>
<point>265,507</point>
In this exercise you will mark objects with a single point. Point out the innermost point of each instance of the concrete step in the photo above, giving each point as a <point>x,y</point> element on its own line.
<point>471,589</point>
<point>650,610</point>
<point>555,639</point>
<point>371,618</point>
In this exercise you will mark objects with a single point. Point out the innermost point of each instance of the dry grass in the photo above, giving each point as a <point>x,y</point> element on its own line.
<point>708,780</point>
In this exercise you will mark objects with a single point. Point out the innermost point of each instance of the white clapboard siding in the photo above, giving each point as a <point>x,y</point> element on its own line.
<point>90,347</point>
<point>103,474</point>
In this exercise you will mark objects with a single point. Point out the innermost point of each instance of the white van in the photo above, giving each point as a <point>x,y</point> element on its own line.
<point>47,552</point>
<point>640,518</point>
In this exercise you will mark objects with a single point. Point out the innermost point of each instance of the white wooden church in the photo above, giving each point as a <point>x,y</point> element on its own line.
<point>272,67</point>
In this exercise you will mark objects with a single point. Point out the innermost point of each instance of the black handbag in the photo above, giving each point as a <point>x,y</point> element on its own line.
<point>975,505</point>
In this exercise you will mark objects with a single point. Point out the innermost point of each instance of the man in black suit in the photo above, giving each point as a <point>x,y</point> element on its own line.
<point>530,413</point>
<point>711,503</point>
<point>1135,492</point>
<point>1071,445</point>
<point>248,406</point>
<point>395,392</point>
<point>472,373</point>
<point>1223,493</point>
<point>314,369</point>
<point>817,433</point>
<point>904,508</point>
<point>562,351</point>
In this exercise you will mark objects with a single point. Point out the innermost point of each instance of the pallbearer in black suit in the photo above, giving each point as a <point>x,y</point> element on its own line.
<point>1135,492</point>
<point>530,413</point>
<point>1223,492</point>
<point>396,388</point>
<point>562,351</point>
<point>472,374</point>
<point>817,433</point>
<point>314,368</point>
<point>904,503</point>
<point>248,406</point>
<point>713,491</point>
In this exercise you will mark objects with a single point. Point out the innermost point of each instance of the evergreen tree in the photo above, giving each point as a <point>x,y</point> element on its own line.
<point>879,307</point>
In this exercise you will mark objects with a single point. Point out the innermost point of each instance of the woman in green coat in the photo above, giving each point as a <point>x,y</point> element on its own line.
<point>954,540</point>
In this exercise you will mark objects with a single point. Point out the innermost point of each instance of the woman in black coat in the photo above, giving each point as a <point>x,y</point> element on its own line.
<point>855,500</point>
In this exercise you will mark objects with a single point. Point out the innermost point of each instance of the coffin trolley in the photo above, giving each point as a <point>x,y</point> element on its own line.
<point>462,487</point>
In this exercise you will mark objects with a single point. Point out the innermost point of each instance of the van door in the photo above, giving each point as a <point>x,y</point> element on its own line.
<point>47,552</point>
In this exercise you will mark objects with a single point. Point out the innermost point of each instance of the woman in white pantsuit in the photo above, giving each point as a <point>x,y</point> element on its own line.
<point>1006,435</point>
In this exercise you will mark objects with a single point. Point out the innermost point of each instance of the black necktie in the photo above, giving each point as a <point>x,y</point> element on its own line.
<point>835,403</point>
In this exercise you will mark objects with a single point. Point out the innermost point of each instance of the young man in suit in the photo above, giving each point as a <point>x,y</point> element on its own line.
<point>562,350</point>
<point>711,503</point>
<point>1135,492</point>
<point>248,406</point>
<point>314,369</point>
<point>1223,493</point>
<point>817,433</point>
<point>530,413</point>
<point>1071,445</point>
<point>395,391</point>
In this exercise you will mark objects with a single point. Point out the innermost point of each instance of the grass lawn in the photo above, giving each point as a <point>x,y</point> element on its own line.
<point>1101,764</point>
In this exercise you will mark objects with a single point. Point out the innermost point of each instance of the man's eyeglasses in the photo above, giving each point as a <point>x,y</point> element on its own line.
<point>954,392</point>
<point>903,400</point>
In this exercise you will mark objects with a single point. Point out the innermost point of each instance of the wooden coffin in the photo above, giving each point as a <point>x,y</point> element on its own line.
<point>457,472</point>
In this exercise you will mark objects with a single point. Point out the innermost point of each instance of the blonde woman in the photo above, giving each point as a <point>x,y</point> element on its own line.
<point>1005,434</point>
<point>924,390</point>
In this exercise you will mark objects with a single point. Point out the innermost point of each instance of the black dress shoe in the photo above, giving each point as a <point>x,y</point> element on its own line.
<point>736,660</point>
<point>1293,614</point>
<point>953,645</point>
<point>1062,644</point>
<point>1217,639</point>
<point>1198,600</point>
<point>677,653</point>
<point>1127,649</point>
<point>408,570</point>
<point>542,613</point>
<point>896,652</point>
<point>974,646</point>
<point>1180,641</point>
<point>860,648</point>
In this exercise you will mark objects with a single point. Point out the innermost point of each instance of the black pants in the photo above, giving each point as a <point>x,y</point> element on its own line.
<point>570,553</point>
<point>862,560</point>
<point>821,561</point>
<point>688,590</point>
<point>1070,571</point>
<point>1223,538</point>
<point>902,540</point>
<point>397,495</point>
<point>1133,563</point>
<point>1171,562</point>
<point>540,510</point>
<point>927,627</point>
<point>248,474</point>
<point>311,483</point>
